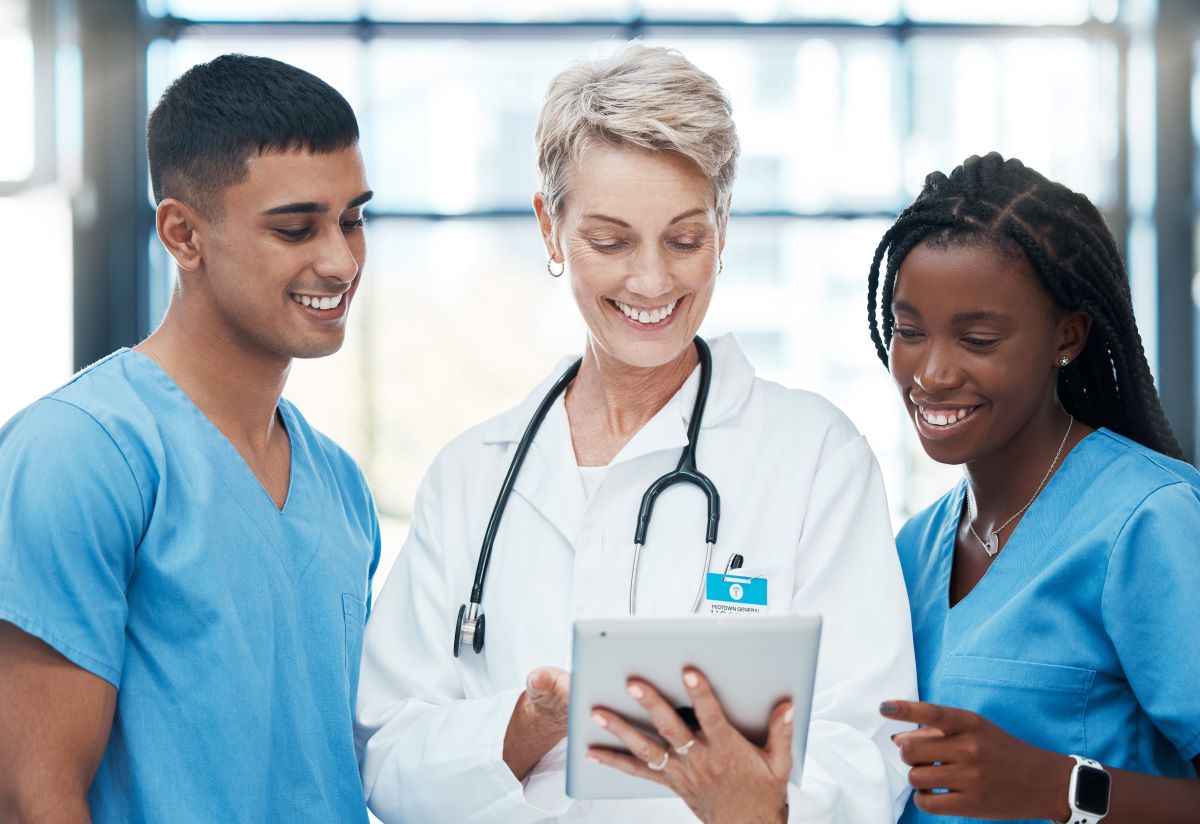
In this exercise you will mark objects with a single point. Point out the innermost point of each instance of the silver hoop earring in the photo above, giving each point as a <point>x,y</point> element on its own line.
<point>553,273</point>
<point>1064,361</point>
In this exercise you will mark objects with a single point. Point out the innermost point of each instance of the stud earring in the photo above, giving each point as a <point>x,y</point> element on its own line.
<point>1064,360</point>
<point>550,269</point>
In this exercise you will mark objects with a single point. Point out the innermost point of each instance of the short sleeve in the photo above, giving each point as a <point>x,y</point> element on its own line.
<point>71,515</point>
<point>1151,608</point>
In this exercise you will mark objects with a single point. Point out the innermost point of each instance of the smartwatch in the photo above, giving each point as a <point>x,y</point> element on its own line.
<point>1089,791</point>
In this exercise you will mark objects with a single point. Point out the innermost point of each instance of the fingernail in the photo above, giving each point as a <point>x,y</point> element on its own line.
<point>889,708</point>
<point>635,691</point>
<point>690,678</point>
<point>789,715</point>
<point>893,737</point>
<point>599,720</point>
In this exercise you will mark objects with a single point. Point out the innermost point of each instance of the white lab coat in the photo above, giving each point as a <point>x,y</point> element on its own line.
<point>802,500</point>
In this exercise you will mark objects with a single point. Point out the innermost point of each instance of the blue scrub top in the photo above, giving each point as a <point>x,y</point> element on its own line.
<point>136,541</point>
<point>1082,637</point>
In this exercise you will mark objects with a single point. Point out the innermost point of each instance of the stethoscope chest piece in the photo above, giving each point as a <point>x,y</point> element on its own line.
<point>469,629</point>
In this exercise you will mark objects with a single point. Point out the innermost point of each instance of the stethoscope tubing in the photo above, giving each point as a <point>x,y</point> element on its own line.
<point>470,618</point>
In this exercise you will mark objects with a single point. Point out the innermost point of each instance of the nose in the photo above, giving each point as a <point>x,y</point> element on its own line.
<point>336,258</point>
<point>651,276</point>
<point>936,370</point>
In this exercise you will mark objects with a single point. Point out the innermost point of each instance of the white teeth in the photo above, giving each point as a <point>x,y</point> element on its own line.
<point>934,419</point>
<point>319,302</point>
<point>647,315</point>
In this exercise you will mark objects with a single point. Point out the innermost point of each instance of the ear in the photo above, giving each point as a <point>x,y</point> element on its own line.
<point>546,223</point>
<point>180,228</point>
<point>1073,330</point>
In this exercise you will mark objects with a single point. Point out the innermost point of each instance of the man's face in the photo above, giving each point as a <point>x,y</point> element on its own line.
<point>282,263</point>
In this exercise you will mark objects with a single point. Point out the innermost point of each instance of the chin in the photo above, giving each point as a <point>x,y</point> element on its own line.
<point>647,354</point>
<point>312,349</point>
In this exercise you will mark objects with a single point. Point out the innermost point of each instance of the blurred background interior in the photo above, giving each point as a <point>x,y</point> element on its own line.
<point>843,106</point>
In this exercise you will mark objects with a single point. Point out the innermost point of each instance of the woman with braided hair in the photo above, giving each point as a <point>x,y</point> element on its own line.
<point>1055,591</point>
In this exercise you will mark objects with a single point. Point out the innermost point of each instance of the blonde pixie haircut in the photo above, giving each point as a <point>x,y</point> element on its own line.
<point>643,97</point>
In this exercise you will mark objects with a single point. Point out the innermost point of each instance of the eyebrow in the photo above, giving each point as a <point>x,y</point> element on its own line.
<point>961,317</point>
<point>311,207</point>
<point>619,222</point>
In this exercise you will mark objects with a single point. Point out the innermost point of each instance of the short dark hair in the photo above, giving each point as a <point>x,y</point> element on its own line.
<point>217,115</point>
<point>1019,211</point>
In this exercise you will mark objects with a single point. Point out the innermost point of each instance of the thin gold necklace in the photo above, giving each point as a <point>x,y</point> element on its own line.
<point>992,545</point>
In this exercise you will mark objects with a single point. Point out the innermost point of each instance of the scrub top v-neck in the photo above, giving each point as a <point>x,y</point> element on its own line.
<point>136,541</point>
<point>1080,637</point>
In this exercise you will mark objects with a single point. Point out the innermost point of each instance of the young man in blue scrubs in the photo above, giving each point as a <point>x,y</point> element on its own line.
<point>185,563</point>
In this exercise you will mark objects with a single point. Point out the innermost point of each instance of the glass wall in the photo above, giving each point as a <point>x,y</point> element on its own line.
<point>840,122</point>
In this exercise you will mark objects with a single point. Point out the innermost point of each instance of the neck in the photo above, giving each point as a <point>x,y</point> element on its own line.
<point>1004,481</point>
<point>236,386</point>
<point>609,401</point>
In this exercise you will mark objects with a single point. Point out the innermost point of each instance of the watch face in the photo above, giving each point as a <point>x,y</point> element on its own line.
<point>1091,790</point>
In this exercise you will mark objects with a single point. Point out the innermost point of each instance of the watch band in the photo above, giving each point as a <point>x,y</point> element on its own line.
<point>1079,816</point>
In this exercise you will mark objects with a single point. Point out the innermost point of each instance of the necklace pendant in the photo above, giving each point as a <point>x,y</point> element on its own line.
<point>992,546</point>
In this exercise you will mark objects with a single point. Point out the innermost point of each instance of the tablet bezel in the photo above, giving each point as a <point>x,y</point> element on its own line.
<point>762,659</point>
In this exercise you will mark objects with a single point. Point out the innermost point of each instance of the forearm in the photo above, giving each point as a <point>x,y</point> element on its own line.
<point>1137,798</point>
<point>528,738</point>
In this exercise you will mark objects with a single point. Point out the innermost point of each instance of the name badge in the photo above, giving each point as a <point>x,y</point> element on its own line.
<point>735,594</point>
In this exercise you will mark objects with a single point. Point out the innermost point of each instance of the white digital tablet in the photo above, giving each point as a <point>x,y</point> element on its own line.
<point>753,663</point>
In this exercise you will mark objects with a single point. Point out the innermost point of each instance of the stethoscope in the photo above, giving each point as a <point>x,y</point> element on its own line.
<point>469,629</point>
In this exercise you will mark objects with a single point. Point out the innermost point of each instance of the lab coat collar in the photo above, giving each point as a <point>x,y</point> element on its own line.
<point>732,380</point>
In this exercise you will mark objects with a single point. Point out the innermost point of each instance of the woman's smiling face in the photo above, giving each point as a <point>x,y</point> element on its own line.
<point>975,348</point>
<point>641,236</point>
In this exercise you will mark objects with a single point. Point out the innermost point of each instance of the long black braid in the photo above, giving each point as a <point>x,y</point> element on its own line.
<point>1003,202</point>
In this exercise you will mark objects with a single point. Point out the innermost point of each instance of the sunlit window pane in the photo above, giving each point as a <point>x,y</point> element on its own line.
<point>1050,102</point>
<point>865,11</point>
<point>453,121</point>
<point>16,92</point>
<point>818,119</point>
<point>258,10</point>
<point>509,11</point>
<point>1024,12</point>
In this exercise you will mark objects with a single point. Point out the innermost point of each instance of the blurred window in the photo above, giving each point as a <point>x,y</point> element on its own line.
<point>840,122</point>
<point>17,138</point>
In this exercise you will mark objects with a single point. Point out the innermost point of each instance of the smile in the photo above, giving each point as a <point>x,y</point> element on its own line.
<point>318,301</point>
<point>646,316</point>
<point>943,418</point>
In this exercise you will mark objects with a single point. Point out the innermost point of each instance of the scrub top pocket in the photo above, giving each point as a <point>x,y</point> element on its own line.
<point>354,614</point>
<point>1043,704</point>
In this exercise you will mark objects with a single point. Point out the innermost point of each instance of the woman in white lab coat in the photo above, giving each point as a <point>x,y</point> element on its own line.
<point>637,157</point>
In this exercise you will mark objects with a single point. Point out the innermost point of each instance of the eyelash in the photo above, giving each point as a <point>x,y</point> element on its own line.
<point>609,248</point>
<point>978,344</point>
<point>296,235</point>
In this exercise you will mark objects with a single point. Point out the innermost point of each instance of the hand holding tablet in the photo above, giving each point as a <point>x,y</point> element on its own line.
<point>714,711</point>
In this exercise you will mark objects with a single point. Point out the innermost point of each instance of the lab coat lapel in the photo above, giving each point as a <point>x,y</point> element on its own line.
<point>549,478</point>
